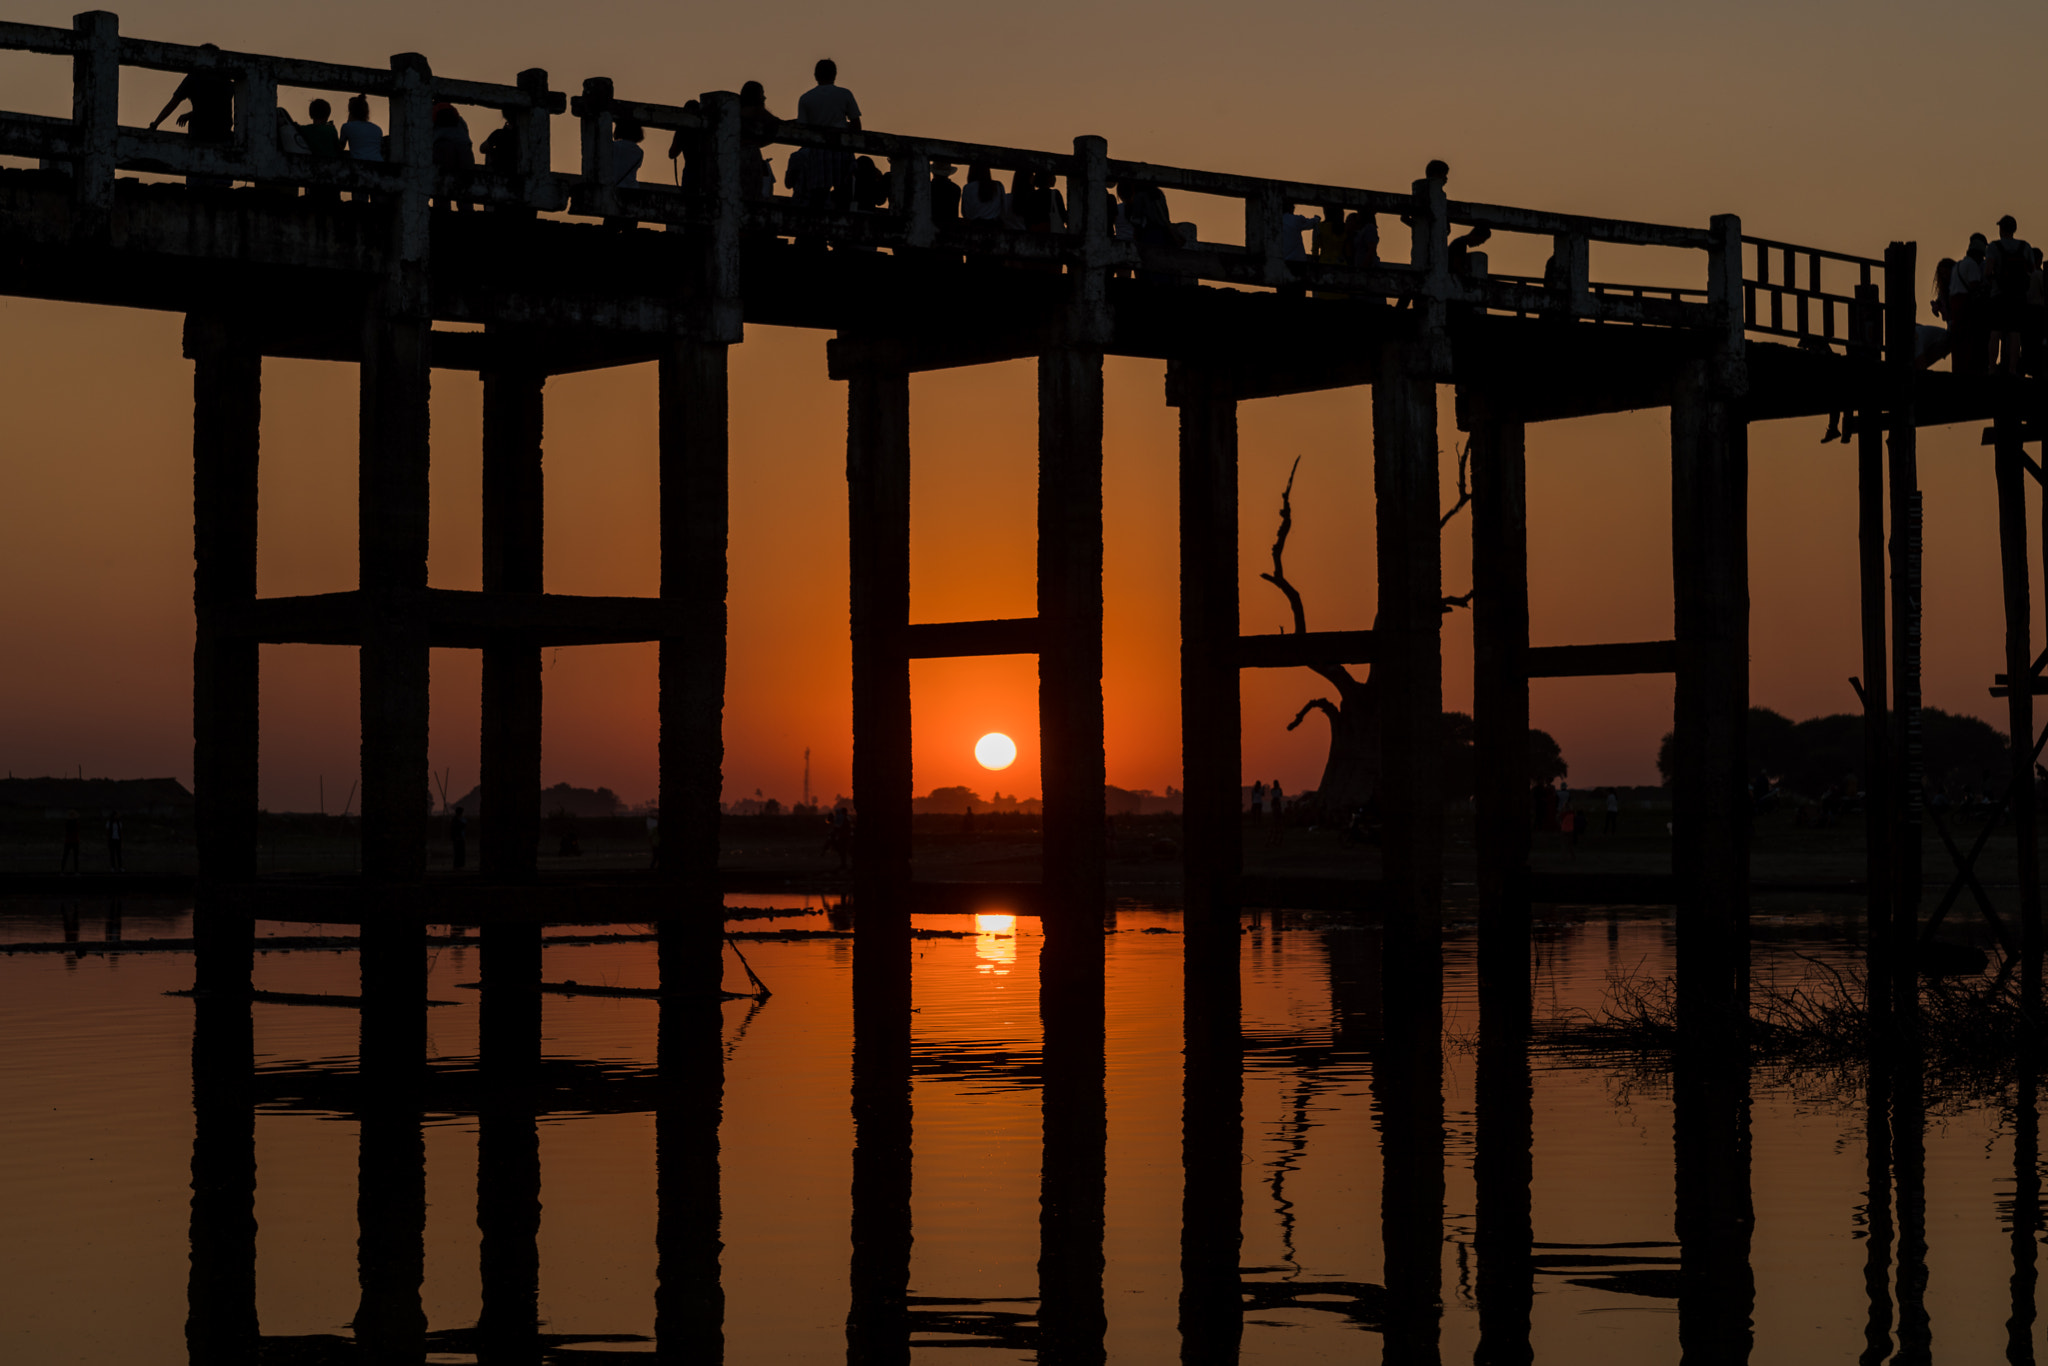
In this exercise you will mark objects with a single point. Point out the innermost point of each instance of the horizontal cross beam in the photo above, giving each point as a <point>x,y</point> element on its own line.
<point>962,639</point>
<point>1596,661</point>
<point>453,619</point>
<point>1304,649</point>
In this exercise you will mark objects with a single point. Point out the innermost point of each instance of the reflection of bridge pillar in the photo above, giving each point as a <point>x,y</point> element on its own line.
<point>1502,1169</point>
<point>689,1305</point>
<point>220,1320</point>
<point>513,530</point>
<point>693,583</point>
<point>2026,1212</point>
<point>227,398</point>
<point>1212,1143</point>
<point>1500,703</point>
<point>878,1314</point>
<point>1210,714</point>
<point>391,1190</point>
<point>1715,1213</point>
<point>1073,1175</point>
<point>508,1144</point>
<point>1070,656</point>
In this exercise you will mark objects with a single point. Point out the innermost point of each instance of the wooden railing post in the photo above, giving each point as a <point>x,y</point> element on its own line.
<point>595,112</point>
<point>536,152</point>
<point>723,313</point>
<point>1263,236</point>
<point>1088,217</point>
<point>910,194</point>
<point>412,105</point>
<point>256,122</point>
<point>96,112</point>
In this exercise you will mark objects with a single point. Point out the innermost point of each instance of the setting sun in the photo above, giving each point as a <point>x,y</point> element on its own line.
<point>995,750</point>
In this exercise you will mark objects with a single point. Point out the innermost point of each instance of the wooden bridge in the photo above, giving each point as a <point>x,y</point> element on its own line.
<point>264,257</point>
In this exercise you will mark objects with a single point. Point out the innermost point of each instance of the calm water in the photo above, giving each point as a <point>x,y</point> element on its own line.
<point>97,1134</point>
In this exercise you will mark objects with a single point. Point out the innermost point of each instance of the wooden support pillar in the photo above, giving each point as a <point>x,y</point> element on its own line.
<point>693,577</point>
<point>1070,661</point>
<point>1904,776</point>
<point>878,495</point>
<point>1210,709</point>
<point>220,1323</point>
<point>508,1143</point>
<point>1408,1073</point>
<point>1877,852</point>
<point>393,495</point>
<point>514,526</point>
<point>2010,464</point>
<point>1500,707</point>
<point>1710,798</point>
<point>227,402</point>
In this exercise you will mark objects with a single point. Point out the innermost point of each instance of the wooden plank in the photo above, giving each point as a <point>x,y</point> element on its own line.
<point>1597,661</point>
<point>1304,650</point>
<point>963,639</point>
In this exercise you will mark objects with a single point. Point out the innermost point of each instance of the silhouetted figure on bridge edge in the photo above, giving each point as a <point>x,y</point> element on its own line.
<point>824,175</point>
<point>114,863</point>
<point>323,143</point>
<point>757,125</point>
<point>363,139</point>
<point>1463,245</point>
<point>211,93</point>
<point>981,199</point>
<point>945,194</point>
<point>458,839</point>
<point>69,861</point>
<point>1931,341</point>
<point>1969,307</point>
<point>2009,264</point>
<point>452,151</point>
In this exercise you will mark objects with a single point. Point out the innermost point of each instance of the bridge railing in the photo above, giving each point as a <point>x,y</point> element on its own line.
<point>92,145</point>
<point>1777,302</point>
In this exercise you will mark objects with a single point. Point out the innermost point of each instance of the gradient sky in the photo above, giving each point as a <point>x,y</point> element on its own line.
<point>1831,124</point>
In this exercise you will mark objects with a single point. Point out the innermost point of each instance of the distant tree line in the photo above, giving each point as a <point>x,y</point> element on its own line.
<point>1960,754</point>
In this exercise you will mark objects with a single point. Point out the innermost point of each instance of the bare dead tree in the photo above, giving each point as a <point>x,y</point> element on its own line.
<point>1351,773</point>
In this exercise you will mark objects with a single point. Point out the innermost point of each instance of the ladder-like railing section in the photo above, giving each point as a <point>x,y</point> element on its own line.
<point>1752,286</point>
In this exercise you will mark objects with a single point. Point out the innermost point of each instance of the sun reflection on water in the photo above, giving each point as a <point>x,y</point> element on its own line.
<point>995,944</point>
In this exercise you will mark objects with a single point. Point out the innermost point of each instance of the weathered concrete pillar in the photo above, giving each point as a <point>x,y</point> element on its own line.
<point>1500,706</point>
<point>1410,674</point>
<point>878,494</point>
<point>1210,712</point>
<point>693,583</point>
<point>1709,789</point>
<point>227,404</point>
<point>1070,661</point>
<point>514,525</point>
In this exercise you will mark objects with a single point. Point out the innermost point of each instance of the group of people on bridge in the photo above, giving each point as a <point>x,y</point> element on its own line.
<point>1993,307</point>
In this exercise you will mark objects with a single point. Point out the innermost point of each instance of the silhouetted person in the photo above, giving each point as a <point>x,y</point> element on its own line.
<point>1258,801</point>
<point>839,835</point>
<point>832,106</point>
<point>323,142</point>
<point>1613,812</point>
<point>114,842</point>
<point>981,199</point>
<point>1292,226</point>
<point>1969,307</point>
<point>2009,262</point>
<point>1932,341</point>
<point>500,150</point>
<point>211,93</point>
<point>627,154</point>
<point>870,186</point>
<point>1463,245</point>
<point>452,151</point>
<point>69,862</point>
<point>945,194</point>
<point>1151,221</point>
<point>757,125</point>
<point>363,139</point>
<point>458,839</point>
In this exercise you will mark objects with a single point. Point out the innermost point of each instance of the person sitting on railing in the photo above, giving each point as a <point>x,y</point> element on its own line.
<point>830,105</point>
<point>1464,246</point>
<point>363,139</point>
<point>981,199</point>
<point>451,150</point>
<point>211,92</point>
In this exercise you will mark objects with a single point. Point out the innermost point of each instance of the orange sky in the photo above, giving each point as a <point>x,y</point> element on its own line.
<point>1786,115</point>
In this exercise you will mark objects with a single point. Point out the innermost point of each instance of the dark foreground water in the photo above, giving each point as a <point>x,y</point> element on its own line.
<point>99,1259</point>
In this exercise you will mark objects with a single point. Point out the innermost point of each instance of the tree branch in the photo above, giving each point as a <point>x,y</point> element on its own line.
<point>1464,485</point>
<point>1321,704</point>
<point>1335,674</point>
